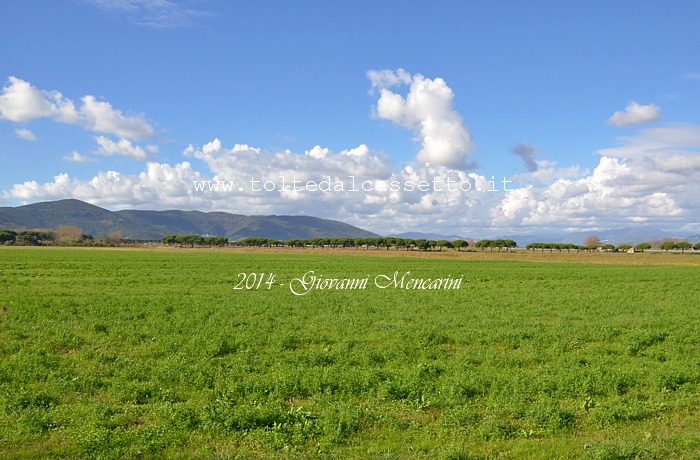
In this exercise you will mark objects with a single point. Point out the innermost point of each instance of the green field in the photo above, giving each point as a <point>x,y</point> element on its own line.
<point>131,353</point>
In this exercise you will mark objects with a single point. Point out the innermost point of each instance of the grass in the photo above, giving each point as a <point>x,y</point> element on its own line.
<point>126,353</point>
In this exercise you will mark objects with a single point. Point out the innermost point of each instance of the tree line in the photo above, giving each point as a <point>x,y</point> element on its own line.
<point>73,236</point>
<point>385,243</point>
<point>64,235</point>
<point>641,247</point>
<point>194,240</point>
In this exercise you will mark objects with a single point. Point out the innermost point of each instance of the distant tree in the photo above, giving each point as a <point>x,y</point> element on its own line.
<point>215,241</point>
<point>7,236</point>
<point>591,241</point>
<point>193,240</point>
<point>115,237</point>
<point>683,246</point>
<point>483,244</point>
<point>497,244</point>
<point>607,247</point>
<point>624,247</point>
<point>641,247</point>
<point>34,238</point>
<point>697,246</point>
<point>344,242</point>
<point>254,241</point>
<point>27,239</point>
<point>509,244</point>
<point>68,233</point>
<point>371,242</point>
<point>388,242</point>
<point>668,245</point>
<point>457,244</point>
<point>442,244</point>
<point>421,244</point>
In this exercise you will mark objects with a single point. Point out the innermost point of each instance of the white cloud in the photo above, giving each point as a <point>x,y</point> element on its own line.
<point>635,114</point>
<point>25,134</point>
<point>318,152</point>
<point>388,78</point>
<point>164,186</point>
<point>101,117</point>
<point>21,102</point>
<point>641,186</point>
<point>158,186</point>
<point>76,157</point>
<point>653,177</point>
<point>121,147</point>
<point>657,141</point>
<point>152,13</point>
<point>212,147</point>
<point>428,111</point>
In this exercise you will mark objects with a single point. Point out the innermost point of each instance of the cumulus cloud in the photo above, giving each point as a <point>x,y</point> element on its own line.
<point>160,14</point>
<point>652,178</point>
<point>388,78</point>
<point>160,185</point>
<point>366,197</point>
<point>526,152</point>
<point>632,183</point>
<point>428,111</point>
<point>121,147</point>
<point>663,140</point>
<point>635,114</point>
<point>212,147</point>
<point>25,134</point>
<point>21,102</point>
<point>101,117</point>
<point>76,157</point>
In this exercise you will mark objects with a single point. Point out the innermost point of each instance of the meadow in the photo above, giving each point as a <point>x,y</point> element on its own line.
<point>152,353</point>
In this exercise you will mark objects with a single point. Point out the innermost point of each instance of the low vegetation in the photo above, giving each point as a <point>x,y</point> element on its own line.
<point>151,353</point>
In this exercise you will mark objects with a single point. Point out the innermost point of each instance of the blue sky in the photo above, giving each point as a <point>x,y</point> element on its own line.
<point>124,103</point>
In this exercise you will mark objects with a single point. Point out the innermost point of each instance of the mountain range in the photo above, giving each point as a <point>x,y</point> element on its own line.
<point>612,236</point>
<point>429,236</point>
<point>137,224</point>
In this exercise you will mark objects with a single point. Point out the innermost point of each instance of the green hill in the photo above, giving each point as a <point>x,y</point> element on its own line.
<point>97,221</point>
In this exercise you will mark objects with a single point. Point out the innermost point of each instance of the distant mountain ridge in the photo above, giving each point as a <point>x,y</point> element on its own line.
<point>429,236</point>
<point>612,236</point>
<point>98,221</point>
